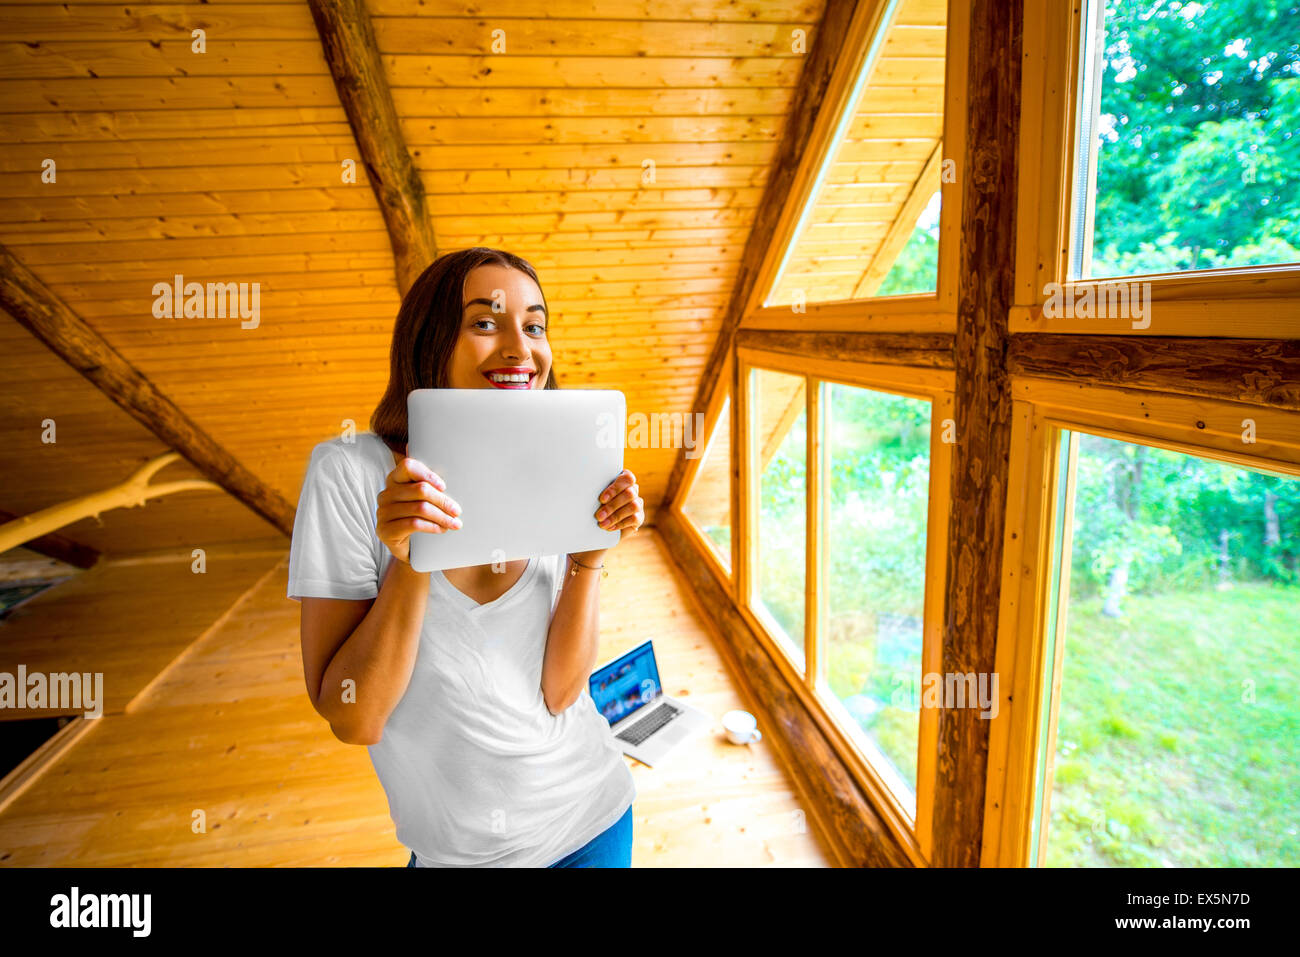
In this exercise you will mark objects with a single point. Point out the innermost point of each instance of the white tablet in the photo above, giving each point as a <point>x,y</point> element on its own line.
<point>526,467</point>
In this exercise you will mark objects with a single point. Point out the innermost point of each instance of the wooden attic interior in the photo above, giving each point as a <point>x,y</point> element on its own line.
<point>698,185</point>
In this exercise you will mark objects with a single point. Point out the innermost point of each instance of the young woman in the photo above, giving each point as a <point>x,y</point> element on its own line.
<point>469,686</point>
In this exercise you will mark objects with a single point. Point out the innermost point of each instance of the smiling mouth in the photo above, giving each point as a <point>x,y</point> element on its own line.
<point>510,380</point>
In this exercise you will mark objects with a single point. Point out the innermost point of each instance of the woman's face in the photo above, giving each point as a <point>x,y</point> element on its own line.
<point>506,344</point>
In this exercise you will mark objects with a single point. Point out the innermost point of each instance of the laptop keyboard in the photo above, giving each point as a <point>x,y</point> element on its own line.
<point>651,723</point>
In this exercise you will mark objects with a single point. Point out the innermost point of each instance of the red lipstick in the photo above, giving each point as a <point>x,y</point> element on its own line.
<point>511,371</point>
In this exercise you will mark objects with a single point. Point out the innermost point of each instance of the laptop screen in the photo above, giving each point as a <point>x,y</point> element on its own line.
<point>625,684</point>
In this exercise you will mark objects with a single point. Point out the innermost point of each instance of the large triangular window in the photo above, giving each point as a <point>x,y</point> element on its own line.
<point>870,226</point>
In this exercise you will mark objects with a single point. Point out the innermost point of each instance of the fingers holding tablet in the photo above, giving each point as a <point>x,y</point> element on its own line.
<point>414,499</point>
<point>622,507</point>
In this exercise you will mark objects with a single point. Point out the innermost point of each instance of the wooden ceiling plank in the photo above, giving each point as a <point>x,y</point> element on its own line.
<point>914,152</point>
<point>112,59</point>
<point>609,239</point>
<point>127,287</point>
<point>414,103</point>
<point>206,152</point>
<point>110,94</point>
<point>634,219</point>
<point>882,101</point>
<point>215,226</point>
<point>122,290</point>
<point>219,202</point>
<point>629,156</point>
<point>885,126</point>
<point>923,13</point>
<point>847,194</point>
<point>453,181</point>
<point>144,250</point>
<point>32,303</point>
<point>591,200</point>
<point>914,40</point>
<point>415,70</point>
<point>62,126</point>
<point>874,171</point>
<point>829,232</point>
<point>859,214</point>
<point>528,131</point>
<point>587,37</point>
<point>88,22</point>
<point>82,182</point>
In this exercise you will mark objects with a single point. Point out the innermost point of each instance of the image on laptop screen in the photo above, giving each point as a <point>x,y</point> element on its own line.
<point>625,684</point>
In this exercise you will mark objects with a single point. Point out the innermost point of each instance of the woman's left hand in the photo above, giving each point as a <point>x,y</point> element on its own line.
<point>621,506</point>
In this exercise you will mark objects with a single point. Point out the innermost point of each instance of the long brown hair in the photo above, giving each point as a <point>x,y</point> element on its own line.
<point>425,333</point>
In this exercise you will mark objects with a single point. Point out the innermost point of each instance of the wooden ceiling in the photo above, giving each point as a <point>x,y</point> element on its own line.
<point>220,166</point>
<point>227,166</point>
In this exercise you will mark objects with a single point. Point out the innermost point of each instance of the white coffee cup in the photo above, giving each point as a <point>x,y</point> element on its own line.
<point>741,727</point>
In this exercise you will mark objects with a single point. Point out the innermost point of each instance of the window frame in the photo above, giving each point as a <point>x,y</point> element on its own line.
<point>1247,301</point>
<point>1041,410</point>
<point>924,312</point>
<point>706,545</point>
<point>914,834</point>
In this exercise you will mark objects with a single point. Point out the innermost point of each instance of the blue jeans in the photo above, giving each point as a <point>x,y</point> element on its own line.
<point>612,847</point>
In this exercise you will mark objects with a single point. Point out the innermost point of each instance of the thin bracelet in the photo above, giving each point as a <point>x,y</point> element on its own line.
<point>595,568</point>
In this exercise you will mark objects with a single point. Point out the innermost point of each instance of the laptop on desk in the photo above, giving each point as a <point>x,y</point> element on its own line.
<point>646,723</point>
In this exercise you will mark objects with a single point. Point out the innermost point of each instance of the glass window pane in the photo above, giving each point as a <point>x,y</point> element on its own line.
<point>1194,112</point>
<point>872,218</point>
<point>916,270</point>
<point>780,461</point>
<point>877,493</point>
<point>708,503</point>
<point>1178,736</point>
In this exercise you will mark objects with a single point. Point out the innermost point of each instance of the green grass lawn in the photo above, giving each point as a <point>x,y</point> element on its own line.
<point>862,662</point>
<point>1162,757</point>
<point>1178,740</point>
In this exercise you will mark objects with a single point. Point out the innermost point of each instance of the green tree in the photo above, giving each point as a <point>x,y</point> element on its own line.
<point>1199,142</point>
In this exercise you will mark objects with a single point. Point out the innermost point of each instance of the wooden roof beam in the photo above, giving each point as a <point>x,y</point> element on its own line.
<point>982,402</point>
<point>50,319</point>
<point>1256,371</point>
<point>348,40</point>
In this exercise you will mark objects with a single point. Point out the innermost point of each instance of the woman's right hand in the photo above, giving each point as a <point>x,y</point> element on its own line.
<point>414,499</point>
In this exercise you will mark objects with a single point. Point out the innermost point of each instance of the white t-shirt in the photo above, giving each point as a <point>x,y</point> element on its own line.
<point>477,770</point>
